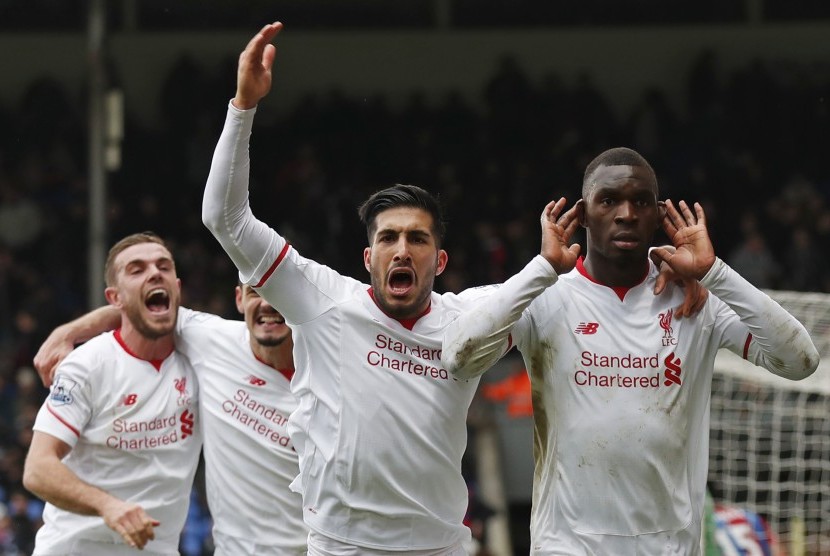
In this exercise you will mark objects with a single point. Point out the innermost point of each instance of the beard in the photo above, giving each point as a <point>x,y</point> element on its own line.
<point>399,311</point>
<point>151,331</point>
<point>271,341</point>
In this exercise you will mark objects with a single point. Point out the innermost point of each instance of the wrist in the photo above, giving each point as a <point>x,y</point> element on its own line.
<point>242,103</point>
<point>65,333</point>
<point>707,268</point>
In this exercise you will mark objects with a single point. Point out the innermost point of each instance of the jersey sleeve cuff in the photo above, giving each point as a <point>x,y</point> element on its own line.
<point>716,274</point>
<point>244,119</point>
<point>543,268</point>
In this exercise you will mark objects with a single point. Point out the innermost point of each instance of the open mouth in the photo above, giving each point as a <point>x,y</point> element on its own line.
<point>157,301</point>
<point>401,280</point>
<point>269,320</point>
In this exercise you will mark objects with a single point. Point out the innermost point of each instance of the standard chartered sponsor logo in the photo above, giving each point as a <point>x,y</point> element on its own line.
<point>587,378</point>
<point>395,346</point>
<point>260,418</point>
<point>627,361</point>
<point>589,360</point>
<point>401,357</point>
<point>144,434</point>
<point>125,425</point>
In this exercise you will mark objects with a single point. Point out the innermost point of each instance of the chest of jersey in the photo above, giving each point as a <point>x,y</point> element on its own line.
<point>622,389</point>
<point>146,412</point>
<point>625,357</point>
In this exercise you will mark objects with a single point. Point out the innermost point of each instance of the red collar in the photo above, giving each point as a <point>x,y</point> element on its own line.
<point>409,323</point>
<point>619,290</point>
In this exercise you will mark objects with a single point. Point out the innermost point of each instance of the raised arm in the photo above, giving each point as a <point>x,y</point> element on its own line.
<point>46,476</point>
<point>253,76</point>
<point>65,337</point>
<point>481,335</point>
<point>225,208</point>
<point>784,346</point>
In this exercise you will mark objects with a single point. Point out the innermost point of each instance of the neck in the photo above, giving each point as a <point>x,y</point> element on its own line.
<point>149,349</point>
<point>616,273</point>
<point>278,357</point>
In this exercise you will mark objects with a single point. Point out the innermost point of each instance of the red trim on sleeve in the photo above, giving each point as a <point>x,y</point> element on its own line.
<point>61,419</point>
<point>509,342</point>
<point>274,266</point>
<point>746,345</point>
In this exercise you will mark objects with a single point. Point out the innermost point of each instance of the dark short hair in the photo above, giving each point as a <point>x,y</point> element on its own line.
<point>401,195</point>
<point>618,156</point>
<point>134,239</point>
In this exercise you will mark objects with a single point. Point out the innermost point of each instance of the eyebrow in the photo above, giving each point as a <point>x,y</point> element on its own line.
<point>398,231</point>
<point>133,262</point>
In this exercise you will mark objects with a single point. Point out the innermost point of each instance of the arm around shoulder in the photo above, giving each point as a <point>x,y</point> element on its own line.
<point>63,339</point>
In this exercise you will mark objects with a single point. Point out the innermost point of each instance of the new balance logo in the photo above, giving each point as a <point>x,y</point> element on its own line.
<point>255,381</point>
<point>587,328</point>
<point>129,399</point>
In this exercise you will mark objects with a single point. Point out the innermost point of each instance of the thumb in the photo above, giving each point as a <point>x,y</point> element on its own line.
<point>660,284</point>
<point>268,56</point>
<point>659,255</point>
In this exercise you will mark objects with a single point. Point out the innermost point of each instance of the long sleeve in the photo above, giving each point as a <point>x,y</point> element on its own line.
<point>781,344</point>
<point>480,336</point>
<point>225,208</point>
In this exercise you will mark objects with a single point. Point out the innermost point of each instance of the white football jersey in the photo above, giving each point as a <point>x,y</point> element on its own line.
<point>621,391</point>
<point>380,428</point>
<point>249,457</point>
<point>621,394</point>
<point>135,432</point>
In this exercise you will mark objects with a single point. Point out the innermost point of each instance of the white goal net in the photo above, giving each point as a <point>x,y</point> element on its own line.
<point>770,437</point>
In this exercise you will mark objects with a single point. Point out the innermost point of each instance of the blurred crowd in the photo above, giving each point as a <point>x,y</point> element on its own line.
<point>748,143</point>
<point>157,15</point>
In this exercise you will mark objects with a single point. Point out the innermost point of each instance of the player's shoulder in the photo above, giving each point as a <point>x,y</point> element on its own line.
<point>93,357</point>
<point>471,294</point>
<point>573,276</point>
<point>564,287</point>
<point>191,322</point>
<point>101,347</point>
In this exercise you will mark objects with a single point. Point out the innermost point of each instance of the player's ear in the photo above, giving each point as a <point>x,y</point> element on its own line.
<point>367,258</point>
<point>112,297</point>
<point>442,262</point>
<point>580,212</point>
<point>239,306</point>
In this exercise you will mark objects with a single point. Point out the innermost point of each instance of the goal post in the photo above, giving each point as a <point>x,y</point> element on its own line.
<point>770,437</point>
